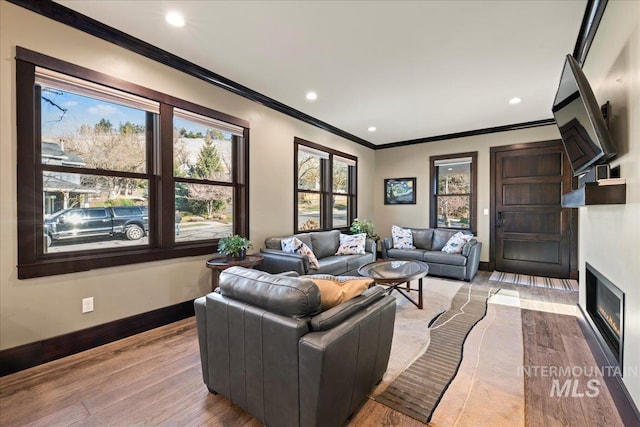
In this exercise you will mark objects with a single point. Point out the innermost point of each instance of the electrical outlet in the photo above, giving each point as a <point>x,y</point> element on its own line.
<point>87,305</point>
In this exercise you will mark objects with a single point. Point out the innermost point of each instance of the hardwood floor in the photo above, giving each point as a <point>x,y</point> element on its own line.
<point>154,378</point>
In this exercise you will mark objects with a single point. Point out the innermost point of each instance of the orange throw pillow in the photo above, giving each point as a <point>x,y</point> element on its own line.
<point>335,290</point>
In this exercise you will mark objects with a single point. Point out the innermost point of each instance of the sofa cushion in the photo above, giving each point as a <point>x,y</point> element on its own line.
<point>336,315</point>
<point>456,242</point>
<point>352,244</point>
<point>296,246</point>
<point>402,238</point>
<point>287,296</point>
<point>334,264</point>
<point>440,238</point>
<point>422,238</point>
<point>335,290</point>
<point>325,243</point>
<point>356,261</point>
<point>440,257</point>
<point>406,253</point>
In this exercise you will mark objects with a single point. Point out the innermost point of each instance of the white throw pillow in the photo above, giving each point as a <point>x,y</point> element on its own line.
<point>456,242</point>
<point>352,244</point>
<point>296,246</point>
<point>402,238</point>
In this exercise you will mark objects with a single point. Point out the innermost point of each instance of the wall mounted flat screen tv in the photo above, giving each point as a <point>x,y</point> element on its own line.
<point>584,134</point>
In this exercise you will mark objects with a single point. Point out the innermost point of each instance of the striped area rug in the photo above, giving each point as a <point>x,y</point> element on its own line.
<point>418,389</point>
<point>544,282</point>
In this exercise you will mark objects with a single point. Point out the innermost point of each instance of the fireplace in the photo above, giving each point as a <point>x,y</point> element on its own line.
<point>605,307</point>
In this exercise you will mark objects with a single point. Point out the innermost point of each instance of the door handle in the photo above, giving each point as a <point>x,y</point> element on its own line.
<point>499,223</point>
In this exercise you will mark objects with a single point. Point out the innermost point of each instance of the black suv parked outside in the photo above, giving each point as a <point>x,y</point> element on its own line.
<point>130,221</point>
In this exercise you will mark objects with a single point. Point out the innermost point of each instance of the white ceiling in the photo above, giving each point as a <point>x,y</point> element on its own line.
<point>412,69</point>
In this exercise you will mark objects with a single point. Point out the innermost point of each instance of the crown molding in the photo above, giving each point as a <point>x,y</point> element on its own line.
<point>81,22</point>
<point>593,14</point>
<point>505,128</point>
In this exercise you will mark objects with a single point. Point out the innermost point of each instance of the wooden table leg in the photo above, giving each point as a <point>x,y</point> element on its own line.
<point>215,279</point>
<point>420,293</point>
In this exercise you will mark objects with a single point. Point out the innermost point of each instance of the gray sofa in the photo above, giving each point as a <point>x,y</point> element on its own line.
<point>324,245</point>
<point>429,243</point>
<point>266,346</point>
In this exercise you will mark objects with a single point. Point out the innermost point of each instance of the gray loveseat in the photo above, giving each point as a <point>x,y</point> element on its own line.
<point>324,245</point>
<point>266,346</point>
<point>429,243</point>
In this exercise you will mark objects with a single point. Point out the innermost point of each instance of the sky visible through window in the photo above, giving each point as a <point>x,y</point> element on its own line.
<point>63,113</point>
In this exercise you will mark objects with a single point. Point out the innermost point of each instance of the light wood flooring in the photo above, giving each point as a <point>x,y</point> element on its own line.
<point>154,378</point>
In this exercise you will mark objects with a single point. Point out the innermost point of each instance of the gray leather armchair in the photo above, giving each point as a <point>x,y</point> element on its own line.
<point>266,346</point>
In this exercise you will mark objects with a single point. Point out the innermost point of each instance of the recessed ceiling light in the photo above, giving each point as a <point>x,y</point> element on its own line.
<point>515,100</point>
<point>371,128</point>
<point>312,96</point>
<point>175,19</point>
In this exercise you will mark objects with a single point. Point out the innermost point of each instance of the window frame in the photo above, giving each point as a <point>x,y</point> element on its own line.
<point>473,184</point>
<point>326,191</point>
<point>32,260</point>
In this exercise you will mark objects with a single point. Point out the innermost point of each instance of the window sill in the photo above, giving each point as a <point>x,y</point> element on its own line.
<point>74,264</point>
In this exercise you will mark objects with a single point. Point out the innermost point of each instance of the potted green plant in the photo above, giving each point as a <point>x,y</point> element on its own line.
<point>234,247</point>
<point>364,226</point>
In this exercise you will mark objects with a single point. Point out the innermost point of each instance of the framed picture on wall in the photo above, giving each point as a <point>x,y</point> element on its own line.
<point>400,191</point>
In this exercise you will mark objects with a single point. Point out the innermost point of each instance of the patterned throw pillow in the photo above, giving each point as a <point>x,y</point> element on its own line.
<point>352,244</point>
<point>402,238</point>
<point>456,242</point>
<point>296,246</point>
<point>335,290</point>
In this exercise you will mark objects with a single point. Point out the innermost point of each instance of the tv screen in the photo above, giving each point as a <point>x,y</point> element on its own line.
<point>584,134</point>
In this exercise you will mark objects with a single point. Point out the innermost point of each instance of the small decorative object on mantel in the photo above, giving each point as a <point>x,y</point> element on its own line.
<point>234,247</point>
<point>364,226</point>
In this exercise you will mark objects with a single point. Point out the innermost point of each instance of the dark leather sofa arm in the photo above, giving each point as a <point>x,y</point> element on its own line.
<point>371,246</point>
<point>385,245</point>
<point>336,315</point>
<point>473,259</point>
<point>275,261</point>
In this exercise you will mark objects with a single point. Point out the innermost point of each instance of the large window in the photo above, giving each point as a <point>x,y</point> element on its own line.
<point>325,192</point>
<point>203,151</point>
<point>453,191</point>
<point>124,174</point>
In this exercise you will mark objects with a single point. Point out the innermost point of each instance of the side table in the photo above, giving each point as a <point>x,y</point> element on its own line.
<point>219,264</point>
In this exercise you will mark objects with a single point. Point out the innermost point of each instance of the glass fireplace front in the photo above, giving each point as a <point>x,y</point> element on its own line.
<point>605,306</point>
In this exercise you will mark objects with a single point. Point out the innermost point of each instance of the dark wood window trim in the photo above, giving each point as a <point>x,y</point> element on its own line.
<point>32,261</point>
<point>326,186</point>
<point>433,189</point>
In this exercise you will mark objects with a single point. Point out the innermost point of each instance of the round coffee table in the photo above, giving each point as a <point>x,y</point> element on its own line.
<point>393,273</point>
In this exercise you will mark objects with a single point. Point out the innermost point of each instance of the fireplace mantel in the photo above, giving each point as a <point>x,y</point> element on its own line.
<point>596,195</point>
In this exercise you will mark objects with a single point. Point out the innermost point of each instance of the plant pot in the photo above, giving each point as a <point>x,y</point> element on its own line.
<point>241,256</point>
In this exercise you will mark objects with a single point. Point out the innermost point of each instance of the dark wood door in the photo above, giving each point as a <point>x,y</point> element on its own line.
<point>531,232</point>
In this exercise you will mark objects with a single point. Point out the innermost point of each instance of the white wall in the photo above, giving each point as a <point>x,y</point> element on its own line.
<point>413,161</point>
<point>610,234</point>
<point>35,309</point>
